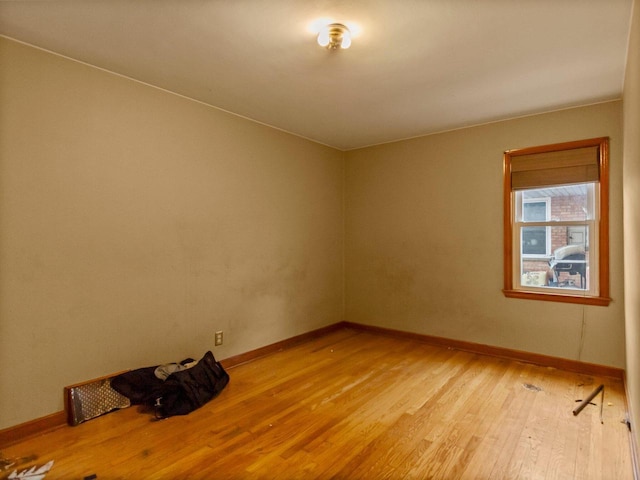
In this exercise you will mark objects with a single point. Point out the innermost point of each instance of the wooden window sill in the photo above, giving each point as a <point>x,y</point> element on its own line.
<point>556,297</point>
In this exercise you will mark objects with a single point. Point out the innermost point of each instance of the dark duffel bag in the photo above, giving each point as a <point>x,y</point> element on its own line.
<point>182,392</point>
<point>186,390</point>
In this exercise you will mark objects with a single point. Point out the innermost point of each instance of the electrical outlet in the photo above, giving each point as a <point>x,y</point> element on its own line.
<point>218,340</point>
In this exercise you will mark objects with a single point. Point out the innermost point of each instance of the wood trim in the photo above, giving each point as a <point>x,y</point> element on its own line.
<point>508,223</point>
<point>551,297</point>
<point>501,352</point>
<point>589,142</point>
<point>635,452</point>
<point>278,346</point>
<point>603,231</point>
<point>29,429</point>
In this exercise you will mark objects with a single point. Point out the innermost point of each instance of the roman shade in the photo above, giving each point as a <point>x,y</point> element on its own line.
<point>560,167</point>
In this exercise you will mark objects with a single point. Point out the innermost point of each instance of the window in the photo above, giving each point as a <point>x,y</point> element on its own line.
<point>556,222</point>
<point>535,240</point>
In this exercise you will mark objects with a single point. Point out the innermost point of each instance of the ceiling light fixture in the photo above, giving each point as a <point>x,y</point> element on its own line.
<point>334,36</point>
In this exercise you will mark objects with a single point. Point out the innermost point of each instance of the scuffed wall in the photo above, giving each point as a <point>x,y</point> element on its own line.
<point>134,223</point>
<point>424,244</point>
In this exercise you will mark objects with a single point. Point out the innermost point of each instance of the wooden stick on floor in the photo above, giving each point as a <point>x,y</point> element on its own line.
<point>586,401</point>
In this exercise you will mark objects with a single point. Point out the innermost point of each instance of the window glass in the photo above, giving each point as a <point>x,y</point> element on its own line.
<point>555,254</point>
<point>534,239</point>
<point>534,211</point>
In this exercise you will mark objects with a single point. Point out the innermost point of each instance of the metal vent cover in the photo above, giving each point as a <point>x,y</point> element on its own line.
<point>88,400</point>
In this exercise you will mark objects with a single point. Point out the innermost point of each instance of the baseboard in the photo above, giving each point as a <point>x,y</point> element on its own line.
<point>284,344</point>
<point>507,353</point>
<point>635,453</point>
<point>32,428</point>
<point>42,425</point>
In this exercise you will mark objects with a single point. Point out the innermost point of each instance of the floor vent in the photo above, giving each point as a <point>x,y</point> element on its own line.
<point>87,400</point>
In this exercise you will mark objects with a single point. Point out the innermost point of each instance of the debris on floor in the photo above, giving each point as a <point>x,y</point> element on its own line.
<point>7,463</point>
<point>626,421</point>
<point>33,473</point>
<point>587,401</point>
<point>533,388</point>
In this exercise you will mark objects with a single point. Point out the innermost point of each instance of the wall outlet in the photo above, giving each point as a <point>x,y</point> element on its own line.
<point>219,338</point>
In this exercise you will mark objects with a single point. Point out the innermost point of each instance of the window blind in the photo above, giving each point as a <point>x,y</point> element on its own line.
<point>577,165</point>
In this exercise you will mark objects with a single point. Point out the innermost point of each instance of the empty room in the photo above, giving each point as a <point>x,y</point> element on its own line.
<point>360,239</point>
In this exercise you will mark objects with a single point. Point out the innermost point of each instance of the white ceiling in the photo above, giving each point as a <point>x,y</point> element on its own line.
<point>416,67</point>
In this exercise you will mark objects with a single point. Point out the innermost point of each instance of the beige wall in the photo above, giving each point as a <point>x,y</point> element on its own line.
<point>631,110</point>
<point>135,223</point>
<point>424,244</point>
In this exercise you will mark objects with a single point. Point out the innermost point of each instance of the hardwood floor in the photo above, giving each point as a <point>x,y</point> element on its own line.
<point>354,404</point>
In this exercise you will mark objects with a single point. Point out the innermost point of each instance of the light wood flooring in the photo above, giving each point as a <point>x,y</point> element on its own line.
<point>353,404</point>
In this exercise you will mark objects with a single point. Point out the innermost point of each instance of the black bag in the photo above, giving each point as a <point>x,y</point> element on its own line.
<point>181,393</point>
<point>140,386</point>
<point>186,390</point>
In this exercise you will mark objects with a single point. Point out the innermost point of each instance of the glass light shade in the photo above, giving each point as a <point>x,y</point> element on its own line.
<point>346,39</point>
<point>323,37</point>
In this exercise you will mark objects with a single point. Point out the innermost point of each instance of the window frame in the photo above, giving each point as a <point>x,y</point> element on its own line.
<point>601,297</point>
